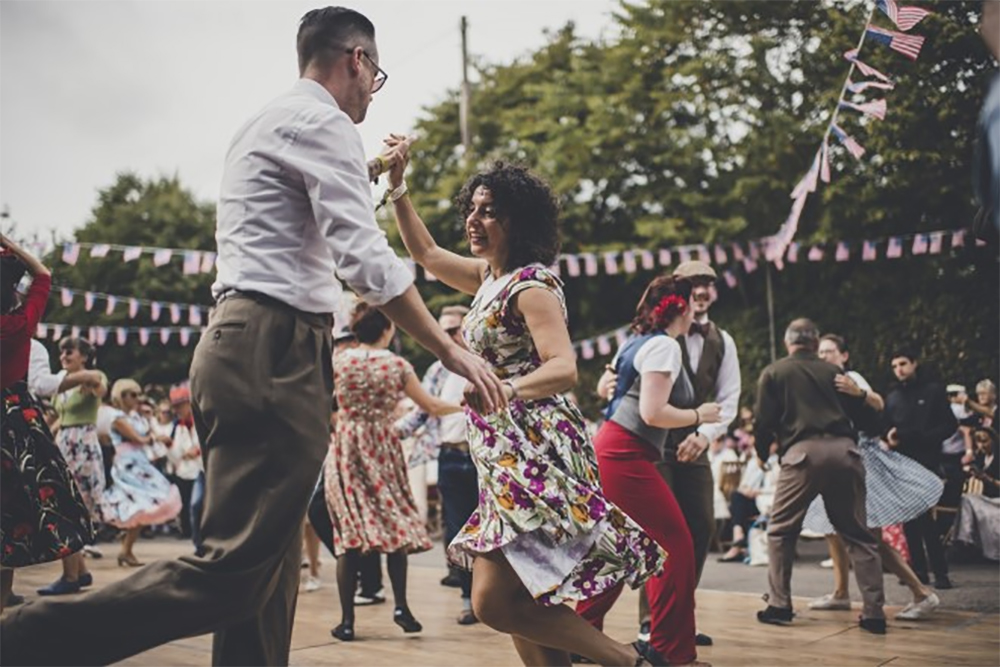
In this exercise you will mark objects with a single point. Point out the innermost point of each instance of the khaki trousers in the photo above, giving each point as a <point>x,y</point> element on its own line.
<point>261,384</point>
<point>692,485</point>
<point>832,468</point>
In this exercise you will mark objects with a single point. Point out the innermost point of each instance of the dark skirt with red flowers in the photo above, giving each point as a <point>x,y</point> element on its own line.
<point>42,515</point>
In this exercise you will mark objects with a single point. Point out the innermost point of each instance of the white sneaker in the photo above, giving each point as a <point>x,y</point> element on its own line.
<point>829,603</point>
<point>312,584</point>
<point>828,563</point>
<point>916,611</point>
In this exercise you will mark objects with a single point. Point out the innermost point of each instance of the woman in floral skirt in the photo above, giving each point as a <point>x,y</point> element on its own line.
<point>42,516</point>
<point>543,533</point>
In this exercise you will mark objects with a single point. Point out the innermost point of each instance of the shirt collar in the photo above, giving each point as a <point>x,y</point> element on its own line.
<point>315,90</point>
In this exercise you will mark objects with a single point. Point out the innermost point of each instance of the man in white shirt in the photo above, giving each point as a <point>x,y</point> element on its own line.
<point>710,357</point>
<point>294,210</point>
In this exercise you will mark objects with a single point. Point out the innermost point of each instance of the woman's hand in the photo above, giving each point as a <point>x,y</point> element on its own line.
<point>845,385</point>
<point>709,413</point>
<point>35,267</point>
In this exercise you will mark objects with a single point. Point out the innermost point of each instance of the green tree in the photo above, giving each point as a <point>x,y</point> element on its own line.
<point>153,213</point>
<point>693,124</point>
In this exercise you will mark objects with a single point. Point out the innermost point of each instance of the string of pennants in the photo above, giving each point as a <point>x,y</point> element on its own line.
<point>893,247</point>
<point>195,313</point>
<point>904,18</point>
<point>99,335</point>
<point>729,257</point>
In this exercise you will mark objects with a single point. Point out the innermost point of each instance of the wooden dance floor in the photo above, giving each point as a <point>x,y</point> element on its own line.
<point>817,638</point>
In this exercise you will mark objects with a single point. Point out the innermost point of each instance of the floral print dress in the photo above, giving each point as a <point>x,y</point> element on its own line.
<point>42,515</point>
<point>540,499</point>
<point>367,487</point>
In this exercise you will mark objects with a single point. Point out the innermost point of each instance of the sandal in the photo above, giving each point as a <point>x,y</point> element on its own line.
<point>344,632</point>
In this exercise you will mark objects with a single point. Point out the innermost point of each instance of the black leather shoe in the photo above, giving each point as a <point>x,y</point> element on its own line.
<point>452,580</point>
<point>647,655</point>
<point>876,626</point>
<point>775,616</point>
<point>943,583</point>
<point>343,632</point>
<point>701,639</point>
<point>404,619</point>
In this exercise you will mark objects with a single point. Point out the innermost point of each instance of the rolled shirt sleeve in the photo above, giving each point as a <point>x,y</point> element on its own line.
<point>728,386</point>
<point>42,382</point>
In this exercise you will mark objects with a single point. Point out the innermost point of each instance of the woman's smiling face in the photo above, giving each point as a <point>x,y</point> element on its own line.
<point>487,235</point>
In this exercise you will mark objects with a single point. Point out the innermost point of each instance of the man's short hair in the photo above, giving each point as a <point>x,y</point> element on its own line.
<point>906,352</point>
<point>802,332</point>
<point>324,34</point>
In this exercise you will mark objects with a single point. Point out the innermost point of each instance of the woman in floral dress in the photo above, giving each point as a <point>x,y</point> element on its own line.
<point>139,494</point>
<point>42,516</point>
<point>543,533</point>
<point>367,487</point>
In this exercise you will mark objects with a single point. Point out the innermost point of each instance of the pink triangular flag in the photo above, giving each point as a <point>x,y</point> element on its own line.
<point>131,253</point>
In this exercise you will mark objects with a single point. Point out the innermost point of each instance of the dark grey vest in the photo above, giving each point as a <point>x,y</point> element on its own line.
<point>626,415</point>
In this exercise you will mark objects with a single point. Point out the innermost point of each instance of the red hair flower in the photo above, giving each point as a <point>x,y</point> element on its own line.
<point>670,306</point>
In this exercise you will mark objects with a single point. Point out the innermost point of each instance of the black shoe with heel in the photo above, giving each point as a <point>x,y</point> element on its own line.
<point>647,655</point>
<point>344,632</point>
<point>404,619</point>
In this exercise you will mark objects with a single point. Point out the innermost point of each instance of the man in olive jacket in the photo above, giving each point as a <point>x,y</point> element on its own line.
<point>799,408</point>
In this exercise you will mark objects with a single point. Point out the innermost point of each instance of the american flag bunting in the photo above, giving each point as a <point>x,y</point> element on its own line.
<point>908,45</point>
<point>867,70</point>
<point>852,146</point>
<point>875,108</point>
<point>904,17</point>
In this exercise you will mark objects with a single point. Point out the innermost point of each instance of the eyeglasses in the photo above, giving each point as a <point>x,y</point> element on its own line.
<point>380,74</point>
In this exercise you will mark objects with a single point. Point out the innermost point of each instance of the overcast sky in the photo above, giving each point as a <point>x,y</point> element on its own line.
<point>89,89</point>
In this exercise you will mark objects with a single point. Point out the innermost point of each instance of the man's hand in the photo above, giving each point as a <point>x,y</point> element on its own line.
<point>845,385</point>
<point>397,157</point>
<point>607,383</point>
<point>485,393</point>
<point>692,447</point>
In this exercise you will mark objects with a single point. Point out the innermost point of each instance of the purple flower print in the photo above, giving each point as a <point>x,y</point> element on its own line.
<point>598,508</point>
<point>567,429</point>
<point>535,471</point>
<point>586,583</point>
<point>520,496</point>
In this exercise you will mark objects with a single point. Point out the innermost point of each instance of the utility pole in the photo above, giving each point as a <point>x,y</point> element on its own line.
<point>770,311</point>
<point>464,102</point>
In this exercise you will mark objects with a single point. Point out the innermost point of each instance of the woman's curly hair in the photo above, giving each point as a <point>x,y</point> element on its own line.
<point>665,299</point>
<point>526,208</point>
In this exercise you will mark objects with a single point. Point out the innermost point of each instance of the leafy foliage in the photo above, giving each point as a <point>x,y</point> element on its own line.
<point>692,124</point>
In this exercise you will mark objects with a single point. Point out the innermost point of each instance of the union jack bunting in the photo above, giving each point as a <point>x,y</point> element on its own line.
<point>853,147</point>
<point>904,17</point>
<point>875,108</point>
<point>852,56</point>
<point>908,45</point>
<point>862,86</point>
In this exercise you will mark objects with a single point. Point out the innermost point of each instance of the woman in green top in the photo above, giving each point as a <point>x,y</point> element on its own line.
<point>77,440</point>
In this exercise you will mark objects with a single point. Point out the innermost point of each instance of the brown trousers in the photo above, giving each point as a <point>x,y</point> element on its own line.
<point>692,485</point>
<point>832,468</point>
<point>261,384</point>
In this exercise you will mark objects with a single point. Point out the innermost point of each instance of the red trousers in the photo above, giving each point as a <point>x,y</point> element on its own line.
<point>630,480</point>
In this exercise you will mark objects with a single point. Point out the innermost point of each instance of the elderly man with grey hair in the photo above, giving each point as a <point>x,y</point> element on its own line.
<point>799,407</point>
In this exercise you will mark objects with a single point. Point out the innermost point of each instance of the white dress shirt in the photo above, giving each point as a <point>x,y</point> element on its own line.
<point>295,209</point>
<point>452,428</point>
<point>727,386</point>
<point>42,382</point>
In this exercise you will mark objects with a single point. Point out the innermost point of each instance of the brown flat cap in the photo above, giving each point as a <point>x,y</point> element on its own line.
<point>694,269</point>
